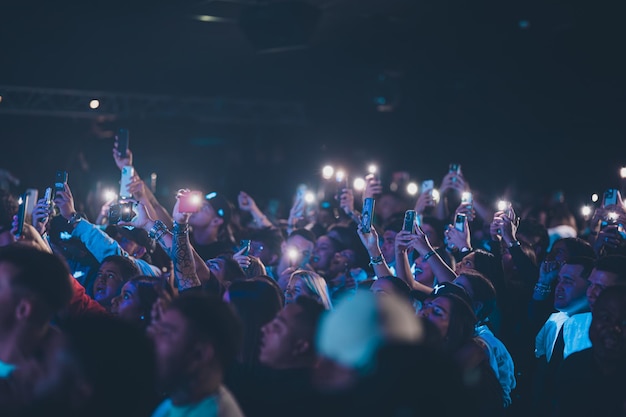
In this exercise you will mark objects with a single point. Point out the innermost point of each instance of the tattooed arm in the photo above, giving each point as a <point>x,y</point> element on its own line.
<point>184,263</point>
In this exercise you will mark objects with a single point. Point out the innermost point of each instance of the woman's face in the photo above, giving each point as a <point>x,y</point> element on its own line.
<point>127,305</point>
<point>323,253</point>
<point>107,284</point>
<point>296,287</point>
<point>438,311</point>
<point>423,272</point>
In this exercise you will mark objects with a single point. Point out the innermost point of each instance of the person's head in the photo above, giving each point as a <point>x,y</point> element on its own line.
<point>135,301</point>
<point>434,229</point>
<point>310,284</point>
<point>198,338</point>
<point>34,287</point>
<point>299,246</point>
<point>609,270</point>
<point>288,340</point>
<point>608,326</point>
<point>325,248</point>
<point>570,293</point>
<point>567,247</point>
<point>100,366</point>
<point>480,290</point>
<point>388,284</point>
<point>265,244</point>
<point>8,208</point>
<point>341,262</point>
<point>226,269</point>
<point>423,271</point>
<point>215,214</point>
<point>449,308</point>
<point>256,302</point>
<point>112,274</point>
<point>535,235</point>
<point>135,241</point>
<point>484,262</point>
<point>255,268</point>
<point>388,237</point>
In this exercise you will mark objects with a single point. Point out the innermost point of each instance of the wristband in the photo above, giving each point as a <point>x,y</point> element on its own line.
<point>428,255</point>
<point>76,217</point>
<point>180,229</point>
<point>157,230</point>
<point>378,260</point>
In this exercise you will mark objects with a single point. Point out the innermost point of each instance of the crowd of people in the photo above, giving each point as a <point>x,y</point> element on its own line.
<point>214,308</point>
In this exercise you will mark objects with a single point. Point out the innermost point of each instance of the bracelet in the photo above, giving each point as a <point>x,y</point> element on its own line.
<point>157,230</point>
<point>76,217</point>
<point>378,260</point>
<point>428,255</point>
<point>180,229</point>
<point>542,289</point>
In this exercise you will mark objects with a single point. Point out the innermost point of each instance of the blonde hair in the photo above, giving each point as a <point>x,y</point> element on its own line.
<point>316,285</point>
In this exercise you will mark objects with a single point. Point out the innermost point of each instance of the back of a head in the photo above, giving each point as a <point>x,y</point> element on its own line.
<point>578,247</point>
<point>118,360</point>
<point>483,292</point>
<point>401,288</point>
<point>533,230</point>
<point>38,273</point>
<point>308,319</point>
<point>232,269</point>
<point>615,264</point>
<point>8,208</point>
<point>212,320</point>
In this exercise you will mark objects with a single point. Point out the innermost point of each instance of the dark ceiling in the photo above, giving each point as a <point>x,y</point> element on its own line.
<point>491,81</point>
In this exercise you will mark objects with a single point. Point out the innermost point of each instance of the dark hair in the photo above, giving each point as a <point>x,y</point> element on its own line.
<point>127,268</point>
<point>118,359</point>
<point>577,247</point>
<point>586,262</point>
<point>213,320</point>
<point>256,302</point>
<point>148,293</point>
<point>532,228</point>
<point>42,274</point>
<point>437,224</point>
<point>305,233</point>
<point>232,271</point>
<point>615,264</point>
<point>255,268</point>
<point>462,323</point>
<point>484,293</point>
<point>8,208</point>
<point>491,267</point>
<point>309,318</point>
<point>400,287</point>
<point>271,237</point>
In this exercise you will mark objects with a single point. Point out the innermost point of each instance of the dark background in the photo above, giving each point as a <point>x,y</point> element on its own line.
<point>530,93</point>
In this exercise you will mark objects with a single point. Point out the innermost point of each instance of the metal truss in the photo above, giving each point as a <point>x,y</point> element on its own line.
<point>76,104</point>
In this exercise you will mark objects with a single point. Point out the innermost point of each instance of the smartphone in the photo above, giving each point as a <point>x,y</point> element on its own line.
<point>456,168</point>
<point>467,197</point>
<point>60,181</point>
<point>427,186</point>
<point>127,174</point>
<point>418,221</point>
<point>459,222</point>
<point>21,214</point>
<point>244,244</point>
<point>610,197</point>
<point>190,202</point>
<point>33,196</point>
<point>366,215</point>
<point>121,212</point>
<point>122,138</point>
<point>409,221</point>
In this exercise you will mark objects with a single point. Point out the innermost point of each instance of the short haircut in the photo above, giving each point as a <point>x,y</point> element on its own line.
<point>577,247</point>
<point>309,318</point>
<point>40,274</point>
<point>484,293</point>
<point>305,233</point>
<point>271,237</point>
<point>8,208</point>
<point>401,288</point>
<point>211,319</point>
<point>615,264</point>
<point>586,262</point>
<point>127,267</point>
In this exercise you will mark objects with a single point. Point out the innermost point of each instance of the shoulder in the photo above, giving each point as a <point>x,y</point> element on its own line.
<point>227,404</point>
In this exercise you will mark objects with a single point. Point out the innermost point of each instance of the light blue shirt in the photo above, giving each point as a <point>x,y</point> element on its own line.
<point>500,360</point>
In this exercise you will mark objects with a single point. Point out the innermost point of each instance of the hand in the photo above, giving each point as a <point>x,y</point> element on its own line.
<point>41,215</point>
<point>420,242</point>
<point>178,216</point>
<point>453,181</point>
<point>137,187</point>
<point>346,200</point>
<point>373,186</point>
<point>141,219</point>
<point>495,227</point>
<point>457,239</point>
<point>242,260</point>
<point>30,236</point>
<point>122,160</point>
<point>403,239</point>
<point>297,211</point>
<point>369,240</point>
<point>424,200</point>
<point>246,203</point>
<point>609,237</point>
<point>467,209</point>
<point>549,271</point>
<point>65,202</point>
